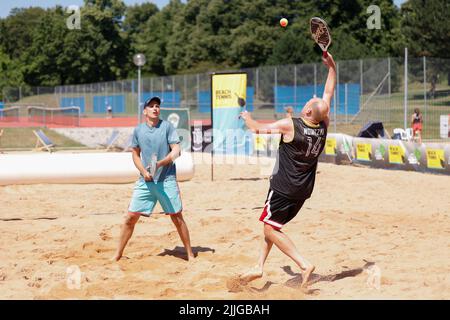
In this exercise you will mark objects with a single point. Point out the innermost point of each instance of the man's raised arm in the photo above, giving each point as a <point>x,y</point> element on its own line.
<point>330,85</point>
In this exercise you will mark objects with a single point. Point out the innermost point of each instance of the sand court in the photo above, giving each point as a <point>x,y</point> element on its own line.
<point>371,233</point>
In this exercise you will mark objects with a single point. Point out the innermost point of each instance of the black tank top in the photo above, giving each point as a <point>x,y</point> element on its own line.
<point>416,118</point>
<point>295,170</point>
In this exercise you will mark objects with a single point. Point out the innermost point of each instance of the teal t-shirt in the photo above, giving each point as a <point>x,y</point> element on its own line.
<point>156,140</point>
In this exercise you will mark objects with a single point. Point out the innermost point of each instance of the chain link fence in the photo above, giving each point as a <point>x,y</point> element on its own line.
<point>367,90</point>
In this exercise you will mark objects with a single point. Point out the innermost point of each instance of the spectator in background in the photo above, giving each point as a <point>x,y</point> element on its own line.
<point>109,110</point>
<point>416,124</point>
<point>433,86</point>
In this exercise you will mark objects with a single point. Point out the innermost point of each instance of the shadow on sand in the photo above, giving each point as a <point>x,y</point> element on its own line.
<point>297,279</point>
<point>247,179</point>
<point>180,252</point>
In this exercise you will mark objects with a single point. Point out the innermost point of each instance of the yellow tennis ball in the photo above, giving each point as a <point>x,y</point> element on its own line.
<point>284,22</point>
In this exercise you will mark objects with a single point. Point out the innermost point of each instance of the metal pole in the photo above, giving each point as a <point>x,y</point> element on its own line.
<point>406,89</point>
<point>85,100</point>
<point>389,79</point>
<point>276,87</point>
<point>345,102</point>
<point>106,95</point>
<point>198,92</point>
<point>173,90</point>
<point>389,87</point>
<point>139,95</point>
<point>334,112</point>
<point>212,120</point>
<point>337,85</point>
<point>151,87</point>
<point>425,86</point>
<point>132,91</point>
<point>185,95</point>
<point>92,94</point>
<point>257,83</point>
<point>361,76</point>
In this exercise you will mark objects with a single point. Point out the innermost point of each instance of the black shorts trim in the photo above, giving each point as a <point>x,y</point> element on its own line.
<point>279,210</point>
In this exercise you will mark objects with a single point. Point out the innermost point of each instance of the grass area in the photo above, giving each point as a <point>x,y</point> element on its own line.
<point>24,138</point>
<point>390,110</point>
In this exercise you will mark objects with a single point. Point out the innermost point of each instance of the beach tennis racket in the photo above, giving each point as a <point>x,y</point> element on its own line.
<point>152,165</point>
<point>321,34</point>
<point>241,103</point>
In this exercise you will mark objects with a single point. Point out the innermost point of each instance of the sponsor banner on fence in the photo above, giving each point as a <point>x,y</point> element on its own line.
<point>266,144</point>
<point>387,153</point>
<point>338,149</point>
<point>201,137</point>
<point>180,119</point>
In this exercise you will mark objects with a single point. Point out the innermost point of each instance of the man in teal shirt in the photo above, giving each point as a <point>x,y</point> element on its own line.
<point>156,139</point>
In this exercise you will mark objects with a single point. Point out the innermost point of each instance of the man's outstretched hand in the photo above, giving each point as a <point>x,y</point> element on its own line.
<point>329,61</point>
<point>245,115</point>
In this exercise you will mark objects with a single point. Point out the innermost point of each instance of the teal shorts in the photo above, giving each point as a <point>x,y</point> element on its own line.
<point>147,194</point>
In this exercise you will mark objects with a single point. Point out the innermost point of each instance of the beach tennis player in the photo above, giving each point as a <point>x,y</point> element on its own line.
<point>292,181</point>
<point>155,147</point>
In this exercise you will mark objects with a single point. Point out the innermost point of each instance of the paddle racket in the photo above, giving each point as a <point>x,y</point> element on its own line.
<point>321,34</point>
<point>241,103</point>
<point>151,168</point>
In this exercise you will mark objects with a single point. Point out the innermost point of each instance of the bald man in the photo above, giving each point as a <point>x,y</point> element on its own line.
<point>292,181</point>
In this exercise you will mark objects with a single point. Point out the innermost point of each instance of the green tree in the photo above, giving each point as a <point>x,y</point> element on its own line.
<point>97,52</point>
<point>153,39</point>
<point>16,30</point>
<point>10,75</point>
<point>426,32</point>
<point>426,27</point>
<point>136,16</point>
<point>201,35</point>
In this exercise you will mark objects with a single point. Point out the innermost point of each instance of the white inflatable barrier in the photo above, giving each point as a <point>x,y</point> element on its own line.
<point>78,168</point>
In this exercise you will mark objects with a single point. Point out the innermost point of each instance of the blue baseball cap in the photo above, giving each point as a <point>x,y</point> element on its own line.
<point>148,101</point>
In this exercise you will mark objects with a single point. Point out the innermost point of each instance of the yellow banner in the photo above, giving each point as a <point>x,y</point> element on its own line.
<point>228,90</point>
<point>330,147</point>
<point>435,158</point>
<point>260,142</point>
<point>396,155</point>
<point>364,151</point>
